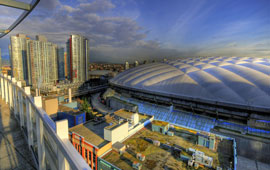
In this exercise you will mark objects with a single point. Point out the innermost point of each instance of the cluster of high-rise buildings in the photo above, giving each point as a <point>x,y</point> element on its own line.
<point>39,62</point>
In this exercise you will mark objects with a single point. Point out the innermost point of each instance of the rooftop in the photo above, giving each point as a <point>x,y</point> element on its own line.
<point>92,132</point>
<point>128,115</point>
<point>124,113</point>
<point>113,122</point>
<point>160,123</point>
<point>118,145</point>
<point>234,81</point>
<point>69,110</point>
<point>154,154</point>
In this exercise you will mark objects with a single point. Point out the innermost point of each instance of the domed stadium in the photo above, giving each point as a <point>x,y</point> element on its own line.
<point>228,85</point>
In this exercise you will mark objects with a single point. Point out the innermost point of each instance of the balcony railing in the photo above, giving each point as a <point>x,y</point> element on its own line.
<point>47,140</point>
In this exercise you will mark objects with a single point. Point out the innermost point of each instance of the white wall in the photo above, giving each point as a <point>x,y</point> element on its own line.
<point>121,133</point>
<point>116,134</point>
<point>135,118</point>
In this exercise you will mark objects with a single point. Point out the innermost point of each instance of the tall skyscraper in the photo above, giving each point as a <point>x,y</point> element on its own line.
<point>66,65</point>
<point>78,53</point>
<point>18,57</point>
<point>61,63</point>
<point>41,62</point>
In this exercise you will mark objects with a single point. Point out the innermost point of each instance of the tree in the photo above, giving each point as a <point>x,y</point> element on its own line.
<point>86,107</point>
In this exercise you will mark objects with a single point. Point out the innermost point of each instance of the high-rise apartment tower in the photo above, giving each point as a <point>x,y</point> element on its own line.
<point>18,57</point>
<point>41,62</point>
<point>61,63</point>
<point>77,54</point>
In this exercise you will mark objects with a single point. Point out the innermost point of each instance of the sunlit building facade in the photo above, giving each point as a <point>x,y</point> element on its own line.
<point>66,64</point>
<point>18,57</point>
<point>77,55</point>
<point>42,62</point>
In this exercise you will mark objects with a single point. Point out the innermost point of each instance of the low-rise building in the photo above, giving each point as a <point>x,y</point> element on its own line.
<point>116,131</point>
<point>208,140</point>
<point>74,116</point>
<point>119,147</point>
<point>160,126</point>
<point>88,139</point>
<point>95,138</point>
<point>131,117</point>
<point>50,105</point>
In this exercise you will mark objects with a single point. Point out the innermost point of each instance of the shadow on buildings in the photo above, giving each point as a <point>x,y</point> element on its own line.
<point>14,152</point>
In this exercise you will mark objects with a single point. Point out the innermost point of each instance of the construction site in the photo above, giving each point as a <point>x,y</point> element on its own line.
<point>163,146</point>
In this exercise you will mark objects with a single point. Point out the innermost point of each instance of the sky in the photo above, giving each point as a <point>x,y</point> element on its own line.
<point>129,30</point>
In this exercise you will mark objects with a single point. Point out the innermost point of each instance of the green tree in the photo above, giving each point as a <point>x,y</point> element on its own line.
<point>86,107</point>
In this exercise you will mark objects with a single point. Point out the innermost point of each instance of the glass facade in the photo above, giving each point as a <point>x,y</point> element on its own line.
<point>77,54</point>
<point>18,55</point>
<point>61,63</point>
<point>42,62</point>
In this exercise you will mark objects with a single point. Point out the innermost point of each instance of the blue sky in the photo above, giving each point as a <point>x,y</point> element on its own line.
<point>121,30</point>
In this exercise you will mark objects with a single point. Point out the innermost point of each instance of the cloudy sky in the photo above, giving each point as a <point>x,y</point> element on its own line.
<point>128,30</point>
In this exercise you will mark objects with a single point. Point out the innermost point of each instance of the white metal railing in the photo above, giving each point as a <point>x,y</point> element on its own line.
<point>47,140</point>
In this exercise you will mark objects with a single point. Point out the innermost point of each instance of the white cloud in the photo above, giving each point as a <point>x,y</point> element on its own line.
<point>121,36</point>
<point>68,8</point>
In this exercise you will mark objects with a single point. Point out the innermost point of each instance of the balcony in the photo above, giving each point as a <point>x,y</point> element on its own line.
<point>48,146</point>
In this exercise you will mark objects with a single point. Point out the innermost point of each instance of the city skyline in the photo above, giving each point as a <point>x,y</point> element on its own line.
<point>33,61</point>
<point>40,62</point>
<point>122,31</point>
<point>179,84</point>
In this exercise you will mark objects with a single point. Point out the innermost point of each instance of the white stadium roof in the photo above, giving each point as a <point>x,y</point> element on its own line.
<point>229,80</point>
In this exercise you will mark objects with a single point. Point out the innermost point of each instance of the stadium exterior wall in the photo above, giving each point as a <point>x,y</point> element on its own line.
<point>213,109</point>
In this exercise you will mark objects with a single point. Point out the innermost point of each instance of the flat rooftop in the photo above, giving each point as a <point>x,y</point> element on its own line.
<point>92,132</point>
<point>159,123</point>
<point>158,157</point>
<point>113,123</point>
<point>128,115</point>
<point>62,108</point>
<point>124,113</point>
